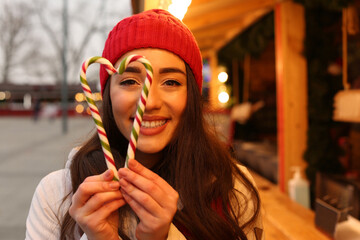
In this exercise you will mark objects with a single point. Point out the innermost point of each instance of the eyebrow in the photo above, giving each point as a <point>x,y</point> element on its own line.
<point>171,70</point>
<point>133,69</point>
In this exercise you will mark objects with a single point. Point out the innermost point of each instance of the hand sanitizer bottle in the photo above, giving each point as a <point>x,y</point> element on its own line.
<point>299,188</point>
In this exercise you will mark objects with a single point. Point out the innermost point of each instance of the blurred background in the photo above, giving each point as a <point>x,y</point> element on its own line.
<point>42,46</point>
<point>281,86</point>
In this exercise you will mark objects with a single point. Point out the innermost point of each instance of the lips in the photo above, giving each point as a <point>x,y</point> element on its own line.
<point>152,125</point>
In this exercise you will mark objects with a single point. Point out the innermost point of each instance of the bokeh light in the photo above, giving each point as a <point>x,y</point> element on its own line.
<point>223,77</point>
<point>223,97</point>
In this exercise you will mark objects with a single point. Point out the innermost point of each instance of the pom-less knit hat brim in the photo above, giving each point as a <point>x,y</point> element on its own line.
<point>155,28</point>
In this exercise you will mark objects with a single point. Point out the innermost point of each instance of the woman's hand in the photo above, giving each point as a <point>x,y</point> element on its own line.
<point>152,199</point>
<point>94,206</point>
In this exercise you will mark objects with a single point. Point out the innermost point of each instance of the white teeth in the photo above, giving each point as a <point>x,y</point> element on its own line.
<point>152,124</point>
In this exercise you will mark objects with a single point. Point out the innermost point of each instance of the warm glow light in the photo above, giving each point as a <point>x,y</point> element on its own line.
<point>97,96</point>
<point>7,94</point>
<point>79,108</point>
<point>79,97</point>
<point>223,77</point>
<point>223,97</point>
<point>178,8</point>
<point>2,96</point>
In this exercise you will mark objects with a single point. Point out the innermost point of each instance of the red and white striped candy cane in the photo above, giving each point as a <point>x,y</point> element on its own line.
<point>141,103</point>
<point>95,112</point>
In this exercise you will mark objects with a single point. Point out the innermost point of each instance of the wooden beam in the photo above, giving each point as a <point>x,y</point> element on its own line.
<point>246,22</point>
<point>195,3</point>
<point>218,36</point>
<point>291,88</point>
<point>199,7</point>
<point>216,12</point>
<point>241,22</point>
<point>206,52</point>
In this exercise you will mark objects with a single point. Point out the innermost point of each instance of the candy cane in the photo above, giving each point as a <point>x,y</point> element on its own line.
<point>95,112</point>
<point>141,103</point>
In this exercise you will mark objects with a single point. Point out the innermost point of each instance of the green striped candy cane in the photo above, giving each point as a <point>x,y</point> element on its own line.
<point>110,162</point>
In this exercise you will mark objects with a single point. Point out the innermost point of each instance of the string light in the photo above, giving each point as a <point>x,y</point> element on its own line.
<point>223,77</point>
<point>223,97</point>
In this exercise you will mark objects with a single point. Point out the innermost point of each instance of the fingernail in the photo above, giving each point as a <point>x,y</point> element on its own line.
<point>108,173</point>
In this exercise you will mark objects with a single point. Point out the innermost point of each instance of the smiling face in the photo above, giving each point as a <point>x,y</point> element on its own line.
<point>166,100</point>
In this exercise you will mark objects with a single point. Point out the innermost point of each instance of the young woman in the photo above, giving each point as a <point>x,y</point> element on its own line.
<point>183,184</point>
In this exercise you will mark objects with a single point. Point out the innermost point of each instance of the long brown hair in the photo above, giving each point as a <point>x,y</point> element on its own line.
<point>195,163</point>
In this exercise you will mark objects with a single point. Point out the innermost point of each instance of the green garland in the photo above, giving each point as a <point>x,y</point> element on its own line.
<point>252,41</point>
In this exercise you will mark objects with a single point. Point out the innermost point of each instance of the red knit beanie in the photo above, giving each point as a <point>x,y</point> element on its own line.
<point>155,28</point>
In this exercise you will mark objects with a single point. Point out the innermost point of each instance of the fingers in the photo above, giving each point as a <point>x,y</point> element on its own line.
<point>99,206</point>
<point>139,185</point>
<point>150,213</point>
<point>105,176</point>
<point>99,200</point>
<point>94,206</point>
<point>152,199</point>
<point>148,182</point>
<point>92,185</point>
<point>94,222</point>
<point>108,208</point>
<point>138,208</point>
<point>133,196</point>
<point>148,174</point>
<point>146,192</point>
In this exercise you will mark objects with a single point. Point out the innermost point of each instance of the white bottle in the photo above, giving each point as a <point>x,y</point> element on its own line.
<point>299,188</point>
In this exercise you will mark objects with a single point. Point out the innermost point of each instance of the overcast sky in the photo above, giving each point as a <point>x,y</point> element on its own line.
<point>80,12</point>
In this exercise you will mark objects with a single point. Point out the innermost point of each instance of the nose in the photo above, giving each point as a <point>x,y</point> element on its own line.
<point>154,99</point>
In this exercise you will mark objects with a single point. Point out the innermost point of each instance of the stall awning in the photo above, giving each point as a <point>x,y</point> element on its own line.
<point>216,22</point>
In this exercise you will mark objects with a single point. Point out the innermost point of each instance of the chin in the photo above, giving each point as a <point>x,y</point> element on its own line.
<point>150,148</point>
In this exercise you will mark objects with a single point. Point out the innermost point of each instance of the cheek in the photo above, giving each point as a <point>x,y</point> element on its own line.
<point>122,109</point>
<point>178,106</point>
<point>122,105</point>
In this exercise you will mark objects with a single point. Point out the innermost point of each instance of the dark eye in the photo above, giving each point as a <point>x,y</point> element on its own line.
<point>128,82</point>
<point>172,83</point>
